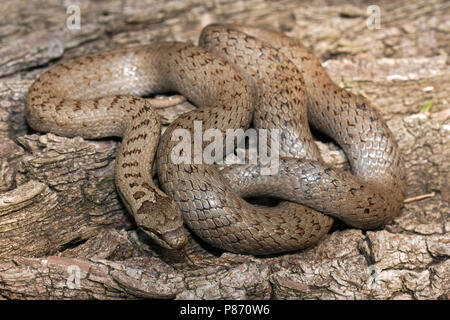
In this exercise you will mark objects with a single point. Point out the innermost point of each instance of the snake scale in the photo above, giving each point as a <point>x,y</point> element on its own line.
<point>237,76</point>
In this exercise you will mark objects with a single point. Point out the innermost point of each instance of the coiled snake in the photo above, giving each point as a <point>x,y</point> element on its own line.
<point>237,76</point>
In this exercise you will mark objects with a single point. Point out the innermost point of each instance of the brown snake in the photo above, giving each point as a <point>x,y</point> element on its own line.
<point>239,75</point>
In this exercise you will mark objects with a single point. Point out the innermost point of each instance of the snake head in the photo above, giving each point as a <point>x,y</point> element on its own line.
<point>162,221</point>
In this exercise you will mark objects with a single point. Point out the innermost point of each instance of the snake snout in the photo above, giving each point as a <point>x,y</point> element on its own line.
<point>161,220</point>
<point>176,239</point>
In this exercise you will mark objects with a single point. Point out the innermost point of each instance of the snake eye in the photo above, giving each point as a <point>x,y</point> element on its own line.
<point>159,235</point>
<point>151,230</point>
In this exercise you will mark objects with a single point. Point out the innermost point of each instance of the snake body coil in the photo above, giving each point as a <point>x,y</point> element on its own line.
<point>235,69</point>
